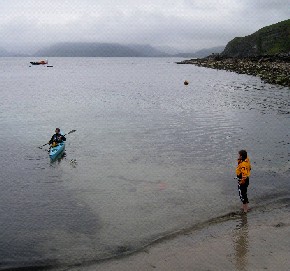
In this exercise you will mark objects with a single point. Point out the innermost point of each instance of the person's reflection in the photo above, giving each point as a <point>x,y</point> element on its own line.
<point>241,243</point>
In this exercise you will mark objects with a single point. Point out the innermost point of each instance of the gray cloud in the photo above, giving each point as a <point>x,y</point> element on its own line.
<point>185,24</point>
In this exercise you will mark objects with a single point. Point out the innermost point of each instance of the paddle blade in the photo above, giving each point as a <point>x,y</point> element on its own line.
<point>42,146</point>
<point>72,131</point>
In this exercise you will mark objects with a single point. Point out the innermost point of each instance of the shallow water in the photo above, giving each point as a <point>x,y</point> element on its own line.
<point>149,156</point>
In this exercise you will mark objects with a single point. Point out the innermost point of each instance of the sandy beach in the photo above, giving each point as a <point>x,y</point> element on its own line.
<point>258,240</point>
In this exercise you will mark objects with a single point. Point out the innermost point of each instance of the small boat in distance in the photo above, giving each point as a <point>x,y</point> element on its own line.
<point>41,62</point>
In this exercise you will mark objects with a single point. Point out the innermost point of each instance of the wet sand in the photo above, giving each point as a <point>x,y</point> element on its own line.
<point>258,240</point>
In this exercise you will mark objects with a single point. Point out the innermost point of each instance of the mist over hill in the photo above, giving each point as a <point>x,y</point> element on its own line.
<point>273,39</point>
<point>202,53</point>
<point>4,53</point>
<point>83,49</point>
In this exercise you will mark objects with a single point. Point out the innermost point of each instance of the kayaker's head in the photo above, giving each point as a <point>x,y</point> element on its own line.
<point>243,155</point>
<point>57,130</point>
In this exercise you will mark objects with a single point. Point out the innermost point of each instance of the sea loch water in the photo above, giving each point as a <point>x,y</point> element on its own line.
<point>150,156</point>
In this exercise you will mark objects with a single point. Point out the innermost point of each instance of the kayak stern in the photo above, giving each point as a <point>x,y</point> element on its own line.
<point>55,151</point>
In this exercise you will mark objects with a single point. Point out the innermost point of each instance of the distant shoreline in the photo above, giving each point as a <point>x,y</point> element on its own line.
<point>271,69</point>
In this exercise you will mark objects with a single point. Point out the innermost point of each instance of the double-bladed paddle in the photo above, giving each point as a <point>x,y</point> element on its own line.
<point>70,132</point>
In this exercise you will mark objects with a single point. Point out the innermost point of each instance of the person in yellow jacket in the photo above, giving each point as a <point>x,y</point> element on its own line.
<point>243,172</point>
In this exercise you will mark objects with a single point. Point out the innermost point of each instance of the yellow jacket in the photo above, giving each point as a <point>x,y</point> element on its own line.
<point>243,170</point>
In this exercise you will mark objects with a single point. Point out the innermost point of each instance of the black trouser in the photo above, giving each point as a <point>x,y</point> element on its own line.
<point>243,189</point>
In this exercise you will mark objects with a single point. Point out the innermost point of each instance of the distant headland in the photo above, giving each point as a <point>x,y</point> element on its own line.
<point>265,53</point>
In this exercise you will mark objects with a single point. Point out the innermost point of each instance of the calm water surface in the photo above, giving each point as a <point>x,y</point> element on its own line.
<point>149,156</point>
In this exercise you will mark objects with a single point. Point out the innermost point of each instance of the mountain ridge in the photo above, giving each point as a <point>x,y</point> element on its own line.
<point>96,49</point>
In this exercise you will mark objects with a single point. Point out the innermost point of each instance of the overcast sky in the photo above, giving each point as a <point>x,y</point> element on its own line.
<point>187,25</point>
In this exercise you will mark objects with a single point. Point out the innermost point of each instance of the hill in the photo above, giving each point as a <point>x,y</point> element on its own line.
<point>270,40</point>
<point>84,49</point>
<point>202,53</point>
<point>4,53</point>
<point>148,50</point>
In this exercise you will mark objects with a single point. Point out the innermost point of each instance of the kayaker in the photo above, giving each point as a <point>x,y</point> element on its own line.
<point>56,138</point>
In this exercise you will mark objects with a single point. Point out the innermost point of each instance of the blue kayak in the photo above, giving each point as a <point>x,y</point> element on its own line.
<point>55,151</point>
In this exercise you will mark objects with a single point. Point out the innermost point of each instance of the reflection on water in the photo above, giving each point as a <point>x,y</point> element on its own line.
<point>241,243</point>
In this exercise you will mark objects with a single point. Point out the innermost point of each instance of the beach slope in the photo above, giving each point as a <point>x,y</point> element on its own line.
<point>258,240</point>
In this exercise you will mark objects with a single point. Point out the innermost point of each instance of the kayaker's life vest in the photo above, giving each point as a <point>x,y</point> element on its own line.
<point>54,144</point>
<point>243,169</point>
<point>57,138</point>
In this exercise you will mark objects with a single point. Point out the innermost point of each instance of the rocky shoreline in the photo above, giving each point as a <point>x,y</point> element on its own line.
<point>271,69</point>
